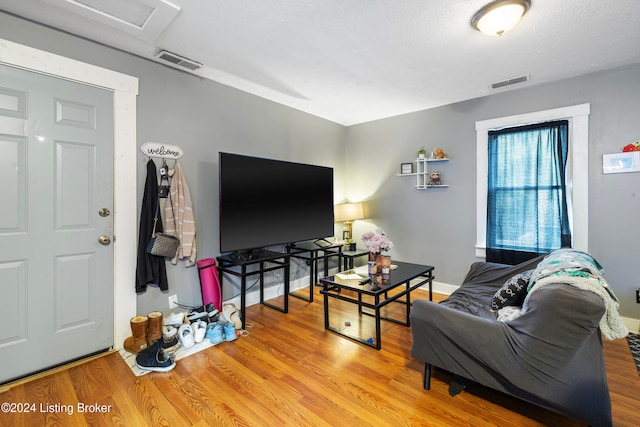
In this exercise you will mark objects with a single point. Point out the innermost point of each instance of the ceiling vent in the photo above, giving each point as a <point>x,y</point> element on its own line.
<point>509,82</point>
<point>178,60</point>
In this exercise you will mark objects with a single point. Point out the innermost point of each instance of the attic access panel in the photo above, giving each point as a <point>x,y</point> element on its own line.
<point>146,19</point>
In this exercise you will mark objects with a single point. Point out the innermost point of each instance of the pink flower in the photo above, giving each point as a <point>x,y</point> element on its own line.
<point>377,241</point>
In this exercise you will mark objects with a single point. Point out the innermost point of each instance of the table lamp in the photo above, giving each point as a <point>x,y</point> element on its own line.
<point>347,213</point>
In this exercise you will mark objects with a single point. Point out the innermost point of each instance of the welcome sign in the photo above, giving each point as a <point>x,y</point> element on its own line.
<point>166,151</point>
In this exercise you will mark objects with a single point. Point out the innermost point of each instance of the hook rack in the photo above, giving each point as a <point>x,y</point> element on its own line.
<point>166,151</point>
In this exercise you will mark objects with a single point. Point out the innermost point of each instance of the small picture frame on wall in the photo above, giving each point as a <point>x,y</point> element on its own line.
<point>406,168</point>
<point>621,162</point>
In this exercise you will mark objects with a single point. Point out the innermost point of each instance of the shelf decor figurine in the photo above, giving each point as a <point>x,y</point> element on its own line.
<point>439,154</point>
<point>435,178</point>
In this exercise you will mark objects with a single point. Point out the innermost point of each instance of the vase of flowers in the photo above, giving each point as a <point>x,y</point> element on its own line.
<point>377,242</point>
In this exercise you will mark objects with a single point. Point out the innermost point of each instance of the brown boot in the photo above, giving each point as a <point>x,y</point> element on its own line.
<point>138,341</point>
<point>154,331</point>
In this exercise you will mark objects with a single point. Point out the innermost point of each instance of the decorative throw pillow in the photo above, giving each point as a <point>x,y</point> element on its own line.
<point>513,292</point>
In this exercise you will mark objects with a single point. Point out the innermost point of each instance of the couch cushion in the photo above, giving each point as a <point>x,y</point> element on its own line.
<point>513,292</point>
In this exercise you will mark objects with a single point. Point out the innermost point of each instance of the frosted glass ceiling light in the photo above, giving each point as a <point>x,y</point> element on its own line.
<point>499,16</point>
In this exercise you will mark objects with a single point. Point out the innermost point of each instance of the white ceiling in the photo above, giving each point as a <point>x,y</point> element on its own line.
<point>353,61</point>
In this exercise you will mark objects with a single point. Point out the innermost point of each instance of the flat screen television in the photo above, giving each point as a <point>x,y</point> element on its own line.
<point>266,202</point>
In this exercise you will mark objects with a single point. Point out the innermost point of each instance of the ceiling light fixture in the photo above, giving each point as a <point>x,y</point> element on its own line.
<point>499,16</point>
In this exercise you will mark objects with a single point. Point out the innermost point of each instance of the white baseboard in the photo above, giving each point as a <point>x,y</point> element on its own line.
<point>273,291</point>
<point>633,325</point>
<point>441,288</point>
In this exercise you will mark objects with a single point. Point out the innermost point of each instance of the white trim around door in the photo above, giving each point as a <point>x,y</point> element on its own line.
<point>125,91</point>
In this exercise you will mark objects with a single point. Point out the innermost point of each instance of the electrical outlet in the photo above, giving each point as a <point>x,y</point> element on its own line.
<point>638,296</point>
<point>173,301</point>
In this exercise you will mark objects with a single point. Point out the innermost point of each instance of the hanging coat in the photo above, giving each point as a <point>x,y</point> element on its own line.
<point>150,269</point>
<point>179,219</point>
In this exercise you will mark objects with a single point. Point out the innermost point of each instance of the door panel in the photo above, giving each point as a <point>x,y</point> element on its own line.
<point>74,186</point>
<point>56,279</point>
<point>13,290</point>
<point>13,175</point>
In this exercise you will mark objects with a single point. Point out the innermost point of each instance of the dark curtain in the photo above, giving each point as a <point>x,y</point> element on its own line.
<point>526,202</point>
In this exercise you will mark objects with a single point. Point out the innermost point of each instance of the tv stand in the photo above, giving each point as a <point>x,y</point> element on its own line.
<point>312,252</point>
<point>323,242</point>
<point>247,255</point>
<point>231,263</point>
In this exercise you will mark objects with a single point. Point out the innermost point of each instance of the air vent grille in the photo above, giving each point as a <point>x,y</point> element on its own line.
<point>509,82</point>
<point>178,60</point>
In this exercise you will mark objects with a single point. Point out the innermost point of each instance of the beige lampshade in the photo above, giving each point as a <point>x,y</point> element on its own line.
<point>348,212</point>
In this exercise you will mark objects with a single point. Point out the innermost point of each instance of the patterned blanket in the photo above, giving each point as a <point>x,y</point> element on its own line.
<point>581,270</point>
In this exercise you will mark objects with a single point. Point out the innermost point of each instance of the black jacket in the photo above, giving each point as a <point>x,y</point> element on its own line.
<point>150,269</point>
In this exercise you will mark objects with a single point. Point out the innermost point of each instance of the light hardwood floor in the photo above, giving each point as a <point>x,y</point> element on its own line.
<point>289,371</point>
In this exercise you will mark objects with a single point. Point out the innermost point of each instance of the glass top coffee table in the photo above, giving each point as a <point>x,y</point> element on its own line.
<point>405,278</point>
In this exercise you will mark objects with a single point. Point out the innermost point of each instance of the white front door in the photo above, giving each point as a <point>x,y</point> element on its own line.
<point>56,170</point>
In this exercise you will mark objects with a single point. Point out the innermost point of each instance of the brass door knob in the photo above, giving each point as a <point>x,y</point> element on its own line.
<point>104,240</point>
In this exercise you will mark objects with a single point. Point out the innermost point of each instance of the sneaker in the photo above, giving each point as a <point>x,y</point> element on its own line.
<point>230,332</point>
<point>153,358</point>
<point>185,333</point>
<point>175,320</point>
<point>199,329</point>
<point>212,313</point>
<point>231,314</point>
<point>196,314</point>
<point>170,342</point>
<point>170,346</point>
<point>169,332</point>
<point>214,333</point>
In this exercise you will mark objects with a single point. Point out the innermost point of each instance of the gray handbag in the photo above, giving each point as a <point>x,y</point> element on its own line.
<point>162,244</point>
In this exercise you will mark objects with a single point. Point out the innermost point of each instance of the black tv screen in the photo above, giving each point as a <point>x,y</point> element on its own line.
<point>266,202</point>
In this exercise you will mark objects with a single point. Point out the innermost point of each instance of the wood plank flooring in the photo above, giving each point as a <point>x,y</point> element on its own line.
<point>289,371</point>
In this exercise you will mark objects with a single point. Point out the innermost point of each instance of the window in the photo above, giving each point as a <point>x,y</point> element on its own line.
<point>526,199</point>
<point>577,187</point>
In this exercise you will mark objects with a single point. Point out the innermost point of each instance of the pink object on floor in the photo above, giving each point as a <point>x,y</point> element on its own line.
<point>210,283</point>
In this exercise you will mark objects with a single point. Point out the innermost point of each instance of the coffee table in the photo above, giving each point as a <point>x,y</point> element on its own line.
<point>412,276</point>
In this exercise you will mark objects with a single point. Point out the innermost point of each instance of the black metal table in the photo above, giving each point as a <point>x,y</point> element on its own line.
<point>313,252</point>
<point>404,274</point>
<point>349,257</point>
<point>231,263</point>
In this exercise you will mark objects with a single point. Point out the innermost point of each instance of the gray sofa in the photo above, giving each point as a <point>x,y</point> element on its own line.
<point>551,355</point>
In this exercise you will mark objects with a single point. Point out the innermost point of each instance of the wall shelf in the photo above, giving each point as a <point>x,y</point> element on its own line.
<point>423,175</point>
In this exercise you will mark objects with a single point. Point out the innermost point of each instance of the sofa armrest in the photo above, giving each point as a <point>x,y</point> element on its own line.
<point>450,338</point>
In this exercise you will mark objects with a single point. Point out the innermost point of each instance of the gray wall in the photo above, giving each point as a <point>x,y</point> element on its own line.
<point>437,226</point>
<point>431,226</point>
<point>202,117</point>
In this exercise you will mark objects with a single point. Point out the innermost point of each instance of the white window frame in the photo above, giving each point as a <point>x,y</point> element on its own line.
<point>577,168</point>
